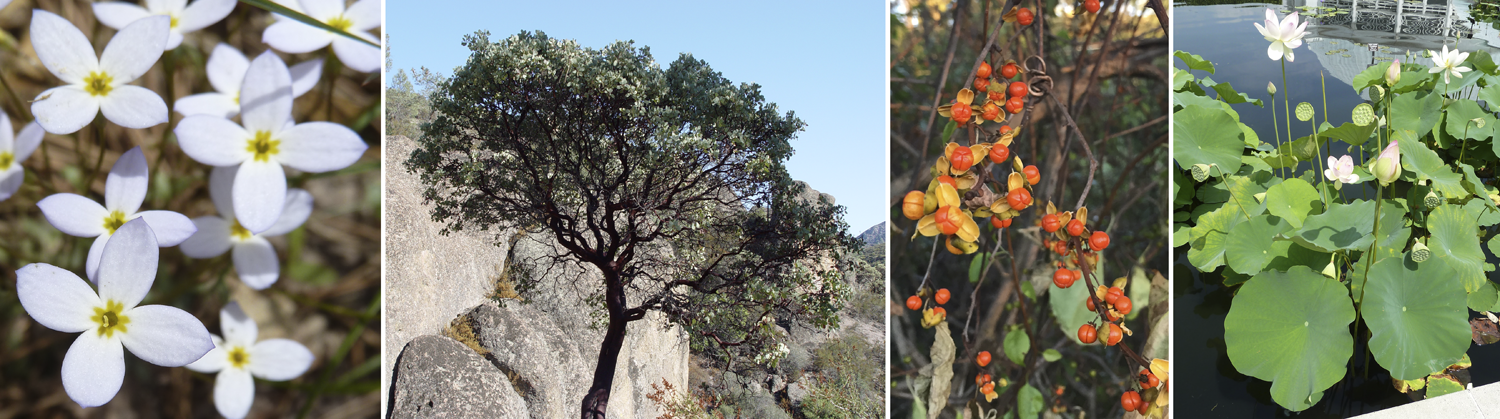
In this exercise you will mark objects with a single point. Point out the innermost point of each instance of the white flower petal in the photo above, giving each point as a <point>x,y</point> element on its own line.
<point>56,298</point>
<point>164,6</point>
<point>279,359</point>
<point>125,186</point>
<point>305,75</point>
<point>239,329</point>
<point>1293,44</point>
<point>74,215</point>
<point>165,336</point>
<point>212,238</point>
<point>171,227</point>
<point>64,110</point>
<point>212,140</point>
<point>213,361</point>
<point>64,49</point>
<point>7,134</point>
<point>212,104</point>
<point>221,189</point>
<point>93,369</point>
<point>203,13</point>
<point>127,267</point>
<point>96,252</point>
<point>299,204</point>
<point>135,49</point>
<point>116,14</point>
<point>363,15</point>
<point>1274,51</point>
<point>226,69</point>
<point>134,107</point>
<point>357,55</point>
<point>11,180</point>
<point>27,141</point>
<point>295,37</point>
<point>256,263</point>
<point>1289,56</point>
<point>266,95</point>
<point>259,190</point>
<point>320,147</point>
<point>234,392</point>
<point>323,9</point>
<point>174,40</point>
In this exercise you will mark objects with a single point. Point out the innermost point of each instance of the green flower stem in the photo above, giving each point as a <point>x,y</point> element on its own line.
<point>1286,103</point>
<point>169,69</point>
<point>1276,126</point>
<point>98,162</point>
<point>1373,254</point>
<point>1224,178</point>
<point>1318,149</point>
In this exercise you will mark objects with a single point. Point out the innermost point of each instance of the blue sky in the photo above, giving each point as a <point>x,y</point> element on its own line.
<point>824,60</point>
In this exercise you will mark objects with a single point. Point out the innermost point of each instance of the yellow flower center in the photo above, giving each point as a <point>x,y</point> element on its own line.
<point>340,23</point>
<point>263,146</point>
<point>109,318</point>
<point>174,21</point>
<point>114,221</point>
<point>238,358</point>
<point>6,158</point>
<point>97,84</point>
<point>239,232</point>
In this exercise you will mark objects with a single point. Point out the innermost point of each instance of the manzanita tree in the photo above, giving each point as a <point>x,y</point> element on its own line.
<point>1386,239</point>
<point>669,181</point>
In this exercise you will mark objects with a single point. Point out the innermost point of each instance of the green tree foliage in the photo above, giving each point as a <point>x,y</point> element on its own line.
<point>668,181</point>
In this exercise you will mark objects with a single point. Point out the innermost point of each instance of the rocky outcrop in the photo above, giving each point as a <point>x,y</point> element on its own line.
<point>441,378</point>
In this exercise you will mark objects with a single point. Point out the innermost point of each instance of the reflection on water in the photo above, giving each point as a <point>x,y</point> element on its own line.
<point>1338,45</point>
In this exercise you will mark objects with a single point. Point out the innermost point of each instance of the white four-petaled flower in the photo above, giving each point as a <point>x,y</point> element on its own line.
<point>94,84</point>
<point>109,319</point>
<point>1285,35</point>
<point>185,18</point>
<point>1341,171</point>
<point>226,70</point>
<point>268,139</point>
<point>124,191</point>
<point>237,357</point>
<point>14,149</point>
<point>295,37</point>
<point>254,259</point>
<point>1448,62</point>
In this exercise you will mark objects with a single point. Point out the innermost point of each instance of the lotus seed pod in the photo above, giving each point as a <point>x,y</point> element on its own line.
<point>1200,172</point>
<point>1478,122</point>
<point>1432,200</point>
<point>1304,111</point>
<point>1364,114</point>
<point>1377,93</point>
<point>1271,88</point>
<point>1420,253</point>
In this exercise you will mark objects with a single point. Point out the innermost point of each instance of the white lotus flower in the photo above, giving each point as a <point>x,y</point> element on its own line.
<point>254,259</point>
<point>1447,63</point>
<point>295,37</point>
<point>1285,35</point>
<point>237,357</point>
<point>1340,171</point>
<point>268,139</point>
<point>14,149</point>
<point>185,18</point>
<point>226,70</point>
<point>94,367</point>
<point>94,84</point>
<point>124,190</point>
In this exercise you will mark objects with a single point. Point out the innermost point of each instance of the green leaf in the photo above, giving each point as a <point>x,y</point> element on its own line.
<point>1247,249</point>
<point>1291,329</point>
<point>1482,61</point>
<point>1051,355</point>
<point>1285,254</point>
<point>1459,122</point>
<point>1194,61</point>
<point>1139,292</point>
<point>1484,297</point>
<point>1441,385</point>
<point>1180,234</point>
<point>272,7</point>
<point>1428,165</point>
<point>1350,133</point>
<point>1344,226</point>
<point>1017,344</point>
<point>1182,189</point>
<point>1208,237</point>
<point>1411,113</point>
<point>1453,242</point>
<point>1180,79</point>
<point>1229,95</point>
<point>1068,308</point>
<point>1031,402</point>
<point>976,267</point>
<point>948,130</point>
<point>1292,200</point>
<point>1373,75</point>
<point>1207,136</point>
<point>1417,315</point>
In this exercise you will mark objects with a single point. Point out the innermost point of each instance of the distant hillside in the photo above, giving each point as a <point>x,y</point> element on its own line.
<point>874,235</point>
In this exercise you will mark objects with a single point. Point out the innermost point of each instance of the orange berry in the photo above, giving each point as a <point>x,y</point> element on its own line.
<point>942,296</point>
<point>914,302</point>
<point>983,359</point>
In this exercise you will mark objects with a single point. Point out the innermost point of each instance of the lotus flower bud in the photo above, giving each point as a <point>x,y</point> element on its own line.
<point>1200,172</point>
<point>1332,270</point>
<point>1432,200</point>
<point>1388,166</point>
<point>1271,88</point>
<point>1420,253</point>
<point>1393,74</point>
